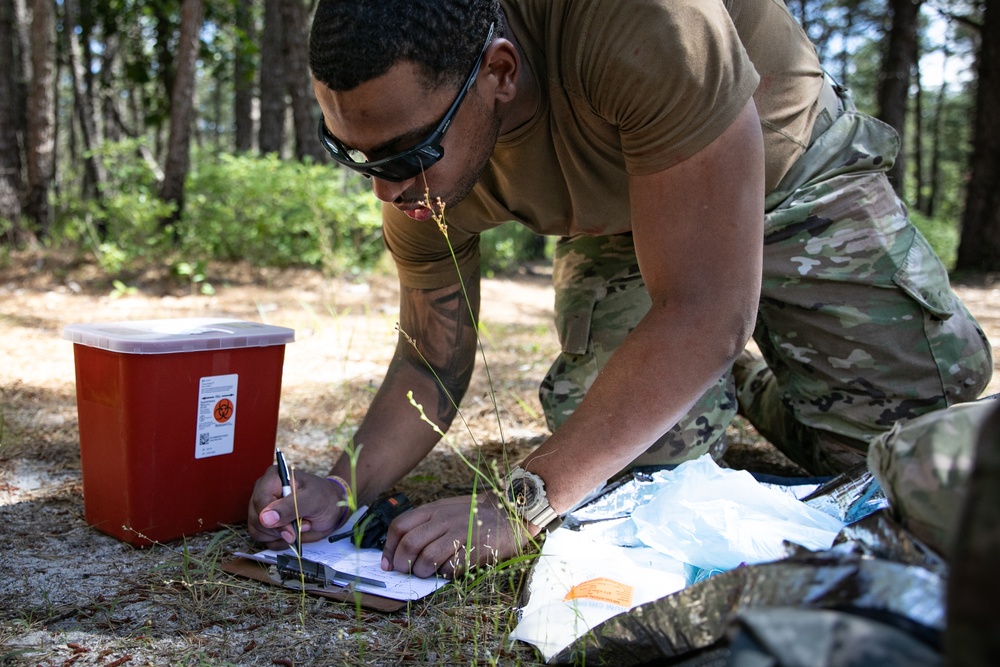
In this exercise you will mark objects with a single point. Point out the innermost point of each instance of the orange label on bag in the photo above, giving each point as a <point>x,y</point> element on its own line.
<point>602,589</point>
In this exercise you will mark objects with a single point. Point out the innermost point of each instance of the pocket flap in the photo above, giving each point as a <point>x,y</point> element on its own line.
<point>574,309</point>
<point>922,276</point>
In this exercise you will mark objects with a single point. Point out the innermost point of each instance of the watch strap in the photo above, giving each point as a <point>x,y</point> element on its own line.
<point>546,518</point>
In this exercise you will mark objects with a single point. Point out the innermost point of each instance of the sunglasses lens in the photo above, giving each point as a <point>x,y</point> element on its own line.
<point>398,168</point>
<point>355,156</point>
<point>402,168</point>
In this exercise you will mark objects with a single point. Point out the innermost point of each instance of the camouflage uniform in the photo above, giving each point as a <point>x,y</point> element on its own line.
<point>857,322</point>
<point>924,465</point>
<point>600,298</point>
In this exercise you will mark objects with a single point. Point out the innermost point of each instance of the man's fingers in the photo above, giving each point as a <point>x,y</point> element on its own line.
<point>423,552</point>
<point>276,545</point>
<point>431,539</point>
<point>270,518</point>
<point>276,520</point>
<point>414,544</point>
<point>266,491</point>
<point>279,513</point>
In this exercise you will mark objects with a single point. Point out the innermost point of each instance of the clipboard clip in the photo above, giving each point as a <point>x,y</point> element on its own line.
<point>291,568</point>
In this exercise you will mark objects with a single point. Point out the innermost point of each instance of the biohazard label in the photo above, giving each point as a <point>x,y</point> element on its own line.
<point>216,416</point>
<point>602,589</point>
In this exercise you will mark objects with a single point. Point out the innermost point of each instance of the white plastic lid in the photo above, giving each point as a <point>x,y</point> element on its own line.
<point>194,334</point>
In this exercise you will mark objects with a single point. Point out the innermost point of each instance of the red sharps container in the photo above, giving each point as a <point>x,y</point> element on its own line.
<point>177,421</point>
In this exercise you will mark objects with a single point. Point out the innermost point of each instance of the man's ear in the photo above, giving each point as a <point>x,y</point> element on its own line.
<point>503,66</point>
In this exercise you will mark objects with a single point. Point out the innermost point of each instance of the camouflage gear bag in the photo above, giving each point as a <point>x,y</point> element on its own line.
<point>924,465</point>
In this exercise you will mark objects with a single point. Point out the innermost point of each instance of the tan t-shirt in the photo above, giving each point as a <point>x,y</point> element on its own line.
<point>626,87</point>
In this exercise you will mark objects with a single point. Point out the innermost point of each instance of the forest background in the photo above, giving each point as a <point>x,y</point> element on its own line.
<point>176,133</point>
<point>159,158</point>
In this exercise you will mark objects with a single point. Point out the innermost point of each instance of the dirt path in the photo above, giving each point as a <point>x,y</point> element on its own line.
<point>70,593</point>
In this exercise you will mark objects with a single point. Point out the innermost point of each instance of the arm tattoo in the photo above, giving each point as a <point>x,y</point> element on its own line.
<point>443,336</point>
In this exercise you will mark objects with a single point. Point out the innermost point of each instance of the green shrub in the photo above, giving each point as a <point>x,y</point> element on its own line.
<point>506,247</point>
<point>124,228</point>
<point>942,234</point>
<point>279,213</point>
<point>263,210</point>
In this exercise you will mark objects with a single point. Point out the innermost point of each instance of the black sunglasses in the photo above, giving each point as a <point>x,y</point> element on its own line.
<point>411,162</point>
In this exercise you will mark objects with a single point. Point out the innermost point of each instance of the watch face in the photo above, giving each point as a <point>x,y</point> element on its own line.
<point>522,493</point>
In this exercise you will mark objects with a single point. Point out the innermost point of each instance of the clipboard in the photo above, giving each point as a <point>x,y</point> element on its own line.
<point>258,571</point>
<point>352,574</point>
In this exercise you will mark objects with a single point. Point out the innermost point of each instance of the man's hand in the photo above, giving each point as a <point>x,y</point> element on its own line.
<point>319,501</point>
<point>431,539</point>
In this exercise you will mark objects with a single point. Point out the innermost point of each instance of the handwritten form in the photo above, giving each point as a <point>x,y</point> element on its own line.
<point>344,556</point>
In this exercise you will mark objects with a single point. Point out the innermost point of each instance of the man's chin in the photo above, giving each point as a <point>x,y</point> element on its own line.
<point>420,214</point>
<point>416,210</point>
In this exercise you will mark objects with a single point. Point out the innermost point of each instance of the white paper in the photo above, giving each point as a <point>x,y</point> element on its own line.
<point>344,556</point>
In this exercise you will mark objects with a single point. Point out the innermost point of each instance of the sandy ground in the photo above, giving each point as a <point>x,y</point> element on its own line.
<point>71,595</point>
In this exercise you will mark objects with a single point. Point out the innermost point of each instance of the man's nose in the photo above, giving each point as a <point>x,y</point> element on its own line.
<point>388,191</point>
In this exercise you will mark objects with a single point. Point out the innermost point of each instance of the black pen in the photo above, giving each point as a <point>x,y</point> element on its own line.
<point>286,490</point>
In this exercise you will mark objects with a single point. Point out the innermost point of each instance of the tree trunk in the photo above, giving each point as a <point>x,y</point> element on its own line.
<point>90,89</point>
<point>22,23</point>
<point>93,182</point>
<point>110,114</point>
<point>181,106</point>
<point>218,115</point>
<point>844,58</point>
<point>937,129</point>
<point>272,81</point>
<point>918,141</point>
<point>243,76</point>
<point>979,249</point>
<point>40,146</point>
<point>894,81</point>
<point>10,130</point>
<point>299,83</point>
<point>164,53</point>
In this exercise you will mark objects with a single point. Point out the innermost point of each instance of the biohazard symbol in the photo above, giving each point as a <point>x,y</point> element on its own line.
<point>223,410</point>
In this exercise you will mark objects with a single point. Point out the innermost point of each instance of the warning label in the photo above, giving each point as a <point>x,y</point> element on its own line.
<point>216,416</point>
<point>602,589</point>
<point>223,411</point>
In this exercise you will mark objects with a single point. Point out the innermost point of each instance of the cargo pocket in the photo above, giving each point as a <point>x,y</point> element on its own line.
<point>956,341</point>
<point>571,374</point>
<point>574,312</point>
<point>922,276</point>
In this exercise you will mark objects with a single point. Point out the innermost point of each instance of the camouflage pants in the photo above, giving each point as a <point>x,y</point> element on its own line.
<point>600,298</point>
<point>857,322</point>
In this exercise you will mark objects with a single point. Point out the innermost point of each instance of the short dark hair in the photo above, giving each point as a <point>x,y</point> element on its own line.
<point>354,41</point>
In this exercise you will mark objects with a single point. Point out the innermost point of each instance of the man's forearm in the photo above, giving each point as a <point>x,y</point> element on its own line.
<point>698,233</point>
<point>434,360</point>
<point>392,439</point>
<point>651,381</point>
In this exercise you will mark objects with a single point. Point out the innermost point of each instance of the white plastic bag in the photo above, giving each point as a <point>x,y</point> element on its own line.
<point>718,519</point>
<point>578,583</point>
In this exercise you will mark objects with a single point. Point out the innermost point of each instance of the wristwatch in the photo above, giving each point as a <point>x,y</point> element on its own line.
<point>526,496</point>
